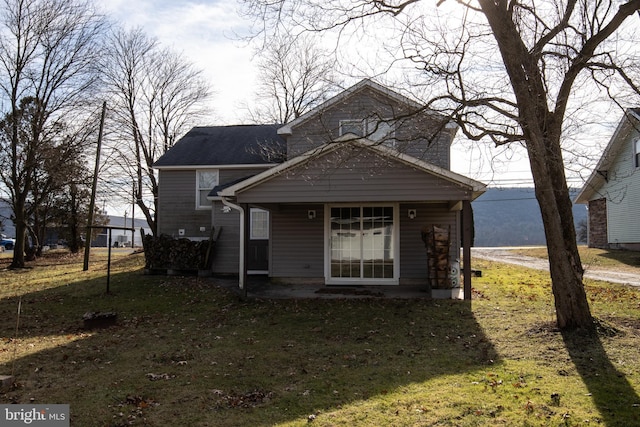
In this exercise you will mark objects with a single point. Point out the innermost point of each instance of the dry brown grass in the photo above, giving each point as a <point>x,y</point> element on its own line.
<point>187,353</point>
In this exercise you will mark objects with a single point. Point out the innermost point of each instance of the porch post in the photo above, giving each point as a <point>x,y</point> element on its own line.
<point>466,247</point>
<point>245,225</point>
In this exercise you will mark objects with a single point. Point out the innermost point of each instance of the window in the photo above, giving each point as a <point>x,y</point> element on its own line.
<point>354,127</point>
<point>636,152</point>
<point>373,129</point>
<point>205,181</point>
<point>380,130</point>
<point>259,224</point>
<point>362,242</point>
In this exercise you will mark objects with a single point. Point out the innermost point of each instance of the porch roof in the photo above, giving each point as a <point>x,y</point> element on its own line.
<point>461,187</point>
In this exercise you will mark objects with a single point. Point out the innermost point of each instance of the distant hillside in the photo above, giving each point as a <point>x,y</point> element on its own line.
<point>511,217</point>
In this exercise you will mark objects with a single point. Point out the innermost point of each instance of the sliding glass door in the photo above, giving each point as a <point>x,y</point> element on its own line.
<point>362,243</point>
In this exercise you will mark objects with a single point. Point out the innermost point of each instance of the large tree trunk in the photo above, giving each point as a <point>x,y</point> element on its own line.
<point>552,193</point>
<point>18,249</point>
<point>542,131</point>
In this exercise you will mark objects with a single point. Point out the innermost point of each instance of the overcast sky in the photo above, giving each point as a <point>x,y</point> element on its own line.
<point>204,32</point>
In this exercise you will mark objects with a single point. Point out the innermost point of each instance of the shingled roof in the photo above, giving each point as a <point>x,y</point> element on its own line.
<point>225,145</point>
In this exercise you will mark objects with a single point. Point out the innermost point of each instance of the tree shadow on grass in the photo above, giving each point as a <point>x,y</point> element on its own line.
<point>630,258</point>
<point>610,390</point>
<point>187,351</point>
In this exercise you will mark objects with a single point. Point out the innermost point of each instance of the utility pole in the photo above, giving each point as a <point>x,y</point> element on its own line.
<point>92,203</point>
<point>133,215</point>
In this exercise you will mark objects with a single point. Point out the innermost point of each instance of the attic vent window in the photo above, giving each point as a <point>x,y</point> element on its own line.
<point>636,152</point>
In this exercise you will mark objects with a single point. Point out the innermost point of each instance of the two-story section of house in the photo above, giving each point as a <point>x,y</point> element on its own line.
<point>340,196</point>
<point>612,192</point>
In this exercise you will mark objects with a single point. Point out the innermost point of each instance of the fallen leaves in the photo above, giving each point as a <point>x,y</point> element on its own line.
<point>158,377</point>
<point>249,399</point>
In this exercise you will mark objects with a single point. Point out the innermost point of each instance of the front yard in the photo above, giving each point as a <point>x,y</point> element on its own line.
<point>187,353</point>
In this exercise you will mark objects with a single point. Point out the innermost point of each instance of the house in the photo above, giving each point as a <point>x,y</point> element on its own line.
<point>339,196</point>
<point>612,192</point>
<point>120,237</point>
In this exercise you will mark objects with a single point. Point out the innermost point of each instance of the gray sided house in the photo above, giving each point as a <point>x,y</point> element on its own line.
<point>612,192</point>
<point>339,196</point>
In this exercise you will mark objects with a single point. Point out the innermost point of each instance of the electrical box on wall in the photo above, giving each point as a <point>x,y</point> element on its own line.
<point>181,232</point>
<point>203,228</point>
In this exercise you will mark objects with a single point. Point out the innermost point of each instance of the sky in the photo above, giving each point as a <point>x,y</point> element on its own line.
<point>204,31</point>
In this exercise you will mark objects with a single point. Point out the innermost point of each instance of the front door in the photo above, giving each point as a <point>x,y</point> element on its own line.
<point>362,245</point>
<point>258,247</point>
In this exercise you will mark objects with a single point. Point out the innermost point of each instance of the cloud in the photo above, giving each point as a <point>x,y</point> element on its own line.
<point>204,33</point>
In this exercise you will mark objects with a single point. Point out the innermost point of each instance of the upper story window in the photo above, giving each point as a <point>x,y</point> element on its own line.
<point>371,128</point>
<point>205,181</point>
<point>636,152</point>
<point>355,127</point>
<point>381,130</point>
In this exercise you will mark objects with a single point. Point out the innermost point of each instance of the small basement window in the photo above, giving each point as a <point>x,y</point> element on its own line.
<point>205,181</point>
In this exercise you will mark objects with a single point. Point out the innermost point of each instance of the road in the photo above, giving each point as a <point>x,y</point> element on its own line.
<point>508,255</point>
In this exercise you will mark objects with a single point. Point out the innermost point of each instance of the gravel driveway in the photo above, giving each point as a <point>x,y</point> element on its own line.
<point>507,255</point>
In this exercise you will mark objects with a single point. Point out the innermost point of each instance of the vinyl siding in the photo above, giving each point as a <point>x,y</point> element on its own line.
<point>623,196</point>
<point>413,253</point>
<point>297,243</point>
<point>353,174</point>
<point>226,257</point>
<point>414,134</point>
<point>177,205</point>
<point>177,201</point>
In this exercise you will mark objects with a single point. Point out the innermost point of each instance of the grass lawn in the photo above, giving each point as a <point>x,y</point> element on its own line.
<point>187,353</point>
<point>593,258</point>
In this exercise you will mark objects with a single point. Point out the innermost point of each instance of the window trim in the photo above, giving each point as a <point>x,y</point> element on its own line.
<point>252,230</point>
<point>389,137</point>
<point>329,279</point>
<point>368,129</point>
<point>199,205</point>
<point>352,122</point>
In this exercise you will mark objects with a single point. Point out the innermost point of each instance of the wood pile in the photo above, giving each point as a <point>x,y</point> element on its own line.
<point>437,240</point>
<point>168,253</point>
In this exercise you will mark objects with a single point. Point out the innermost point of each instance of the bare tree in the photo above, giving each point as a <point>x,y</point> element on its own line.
<point>155,95</point>
<point>507,71</point>
<point>294,76</point>
<point>48,49</point>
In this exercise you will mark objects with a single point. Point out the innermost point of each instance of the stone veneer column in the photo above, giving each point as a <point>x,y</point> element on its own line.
<point>598,224</point>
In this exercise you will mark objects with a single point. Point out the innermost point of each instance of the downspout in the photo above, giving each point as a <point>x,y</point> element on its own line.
<point>241,274</point>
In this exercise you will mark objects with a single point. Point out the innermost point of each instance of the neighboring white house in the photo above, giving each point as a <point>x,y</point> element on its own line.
<point>122,238</point>
<point>612,192</point>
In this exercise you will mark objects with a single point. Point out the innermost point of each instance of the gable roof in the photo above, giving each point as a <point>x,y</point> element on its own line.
<point>476,187</point>
<point>609,155</point>
<point>366,83</point>
<point>225,145</point>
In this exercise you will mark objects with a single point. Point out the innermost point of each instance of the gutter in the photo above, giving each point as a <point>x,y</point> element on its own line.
<point>227,202</point>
